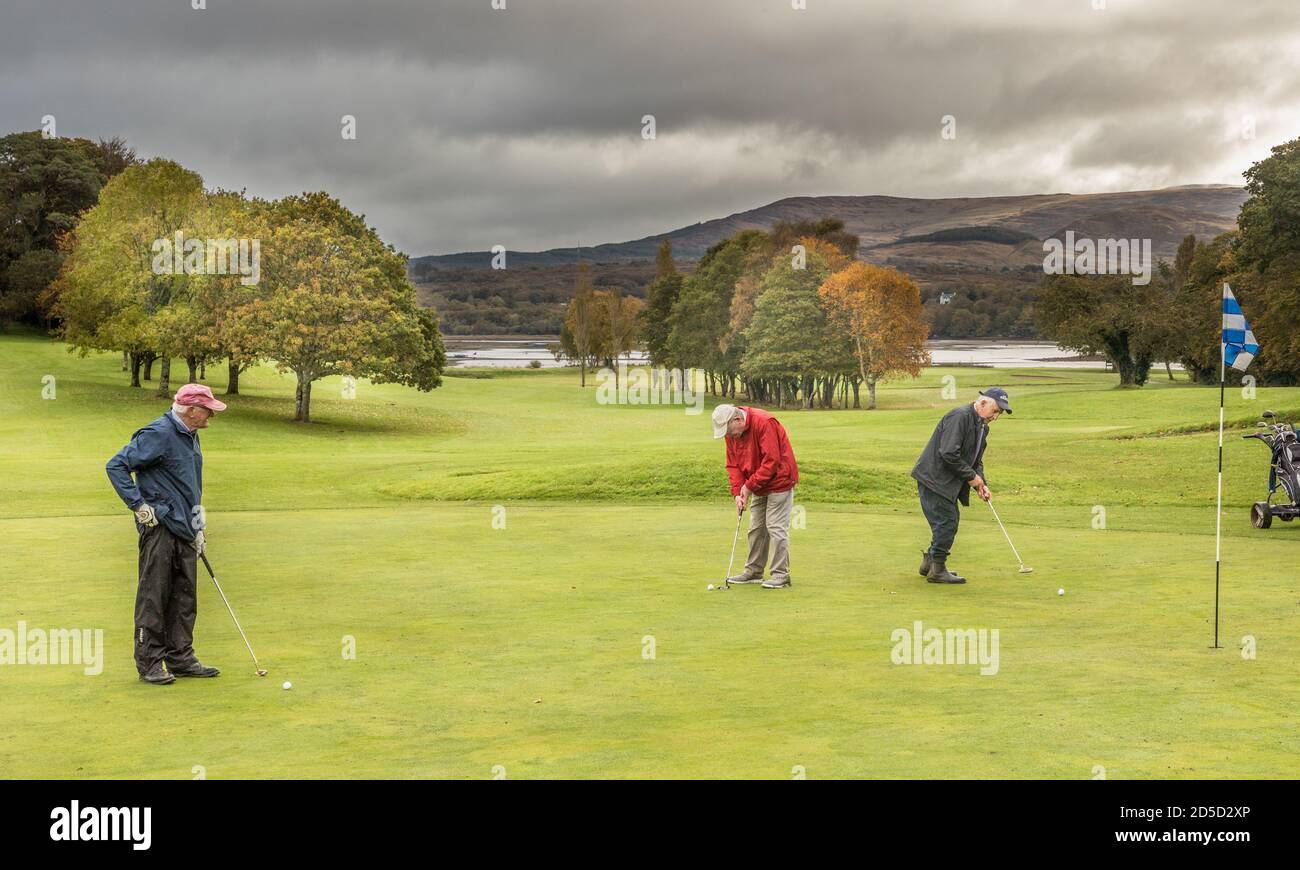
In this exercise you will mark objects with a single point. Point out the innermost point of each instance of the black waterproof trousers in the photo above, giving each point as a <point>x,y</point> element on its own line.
<point>166,603</point>
<point>943,516</point>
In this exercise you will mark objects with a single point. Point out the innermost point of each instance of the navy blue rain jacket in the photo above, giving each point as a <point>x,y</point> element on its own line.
<point>168,467</point>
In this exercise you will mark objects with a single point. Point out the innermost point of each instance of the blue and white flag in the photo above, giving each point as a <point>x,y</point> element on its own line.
<point>1239,346</point>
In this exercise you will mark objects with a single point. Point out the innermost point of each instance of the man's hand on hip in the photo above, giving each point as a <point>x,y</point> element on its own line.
<point>145,516</point>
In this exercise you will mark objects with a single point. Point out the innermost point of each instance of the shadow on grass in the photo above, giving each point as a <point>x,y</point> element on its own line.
<point>329,416</point>
<point>333,416</point>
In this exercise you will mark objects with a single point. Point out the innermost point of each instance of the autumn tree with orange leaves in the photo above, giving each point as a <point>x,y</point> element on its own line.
<point>879,311</point>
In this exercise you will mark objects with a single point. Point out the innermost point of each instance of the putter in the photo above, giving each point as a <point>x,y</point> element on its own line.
<point>1023,568</point>
<point>732,561</point>
<point>261,671</point>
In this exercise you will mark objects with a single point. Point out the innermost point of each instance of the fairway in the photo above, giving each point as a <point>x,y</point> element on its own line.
<point>523,572</point>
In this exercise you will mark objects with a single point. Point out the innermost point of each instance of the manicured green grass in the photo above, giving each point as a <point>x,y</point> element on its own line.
<point>524,646</point>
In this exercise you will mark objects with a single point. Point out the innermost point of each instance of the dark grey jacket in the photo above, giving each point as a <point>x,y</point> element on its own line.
<point>954,455</point>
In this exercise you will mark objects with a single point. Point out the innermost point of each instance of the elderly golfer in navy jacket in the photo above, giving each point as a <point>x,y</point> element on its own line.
<point>951,465</point>
<point>166,497</point>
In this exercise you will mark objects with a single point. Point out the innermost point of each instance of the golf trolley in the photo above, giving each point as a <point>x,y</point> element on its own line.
<point>1284,472</point>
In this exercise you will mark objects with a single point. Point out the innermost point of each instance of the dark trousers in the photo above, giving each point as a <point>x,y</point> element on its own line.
<point>943,516</point>
<point>166,603</point>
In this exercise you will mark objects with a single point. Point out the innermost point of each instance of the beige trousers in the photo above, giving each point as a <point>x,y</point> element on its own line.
<point>769,528</point>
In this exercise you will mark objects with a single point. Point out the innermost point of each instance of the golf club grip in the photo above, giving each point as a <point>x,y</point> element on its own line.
<point>208,565</point>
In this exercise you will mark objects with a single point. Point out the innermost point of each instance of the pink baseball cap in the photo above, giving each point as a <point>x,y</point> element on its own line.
<point>197,394</point>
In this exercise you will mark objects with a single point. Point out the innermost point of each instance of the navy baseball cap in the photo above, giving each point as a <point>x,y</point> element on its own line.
<point>1000,396</point>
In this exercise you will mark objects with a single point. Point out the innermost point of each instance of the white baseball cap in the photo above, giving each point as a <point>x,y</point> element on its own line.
<point>722,415</point>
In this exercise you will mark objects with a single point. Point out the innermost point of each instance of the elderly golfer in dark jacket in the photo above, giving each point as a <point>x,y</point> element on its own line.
<point>762,471</point>
<point>951,465</point>
<point>165,497</point>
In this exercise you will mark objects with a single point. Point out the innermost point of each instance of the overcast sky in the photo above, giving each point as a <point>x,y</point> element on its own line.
<point>523,127</point>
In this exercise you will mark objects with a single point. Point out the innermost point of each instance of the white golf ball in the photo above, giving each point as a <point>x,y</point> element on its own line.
<point>287,685</point>
<point>710,587</point>
<point>1060,591</point>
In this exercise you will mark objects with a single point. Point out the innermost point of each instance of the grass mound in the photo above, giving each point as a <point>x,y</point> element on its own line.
<point>659,479</point>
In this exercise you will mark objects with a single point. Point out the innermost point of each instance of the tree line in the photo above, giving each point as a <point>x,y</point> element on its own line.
<point>157,267</point>
<point>600,325</point>
<point>784,317</point>
<point>1177,316</point>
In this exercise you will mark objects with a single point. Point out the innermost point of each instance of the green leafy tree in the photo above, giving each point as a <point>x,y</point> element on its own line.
<point>1267,255</point>
<point>660,299</point>
<point>1198,306</point>
<point>701,316</point>
<point>25,281</point>
<point>787,338</point>
<point>826,237</point>
<point>335,300</point>
<point>115,292</point>
<point>221,328</point>
<point>1105,314</point>
<point>1269,221</point>
<point>1167,332</point>
<point>45,184</point>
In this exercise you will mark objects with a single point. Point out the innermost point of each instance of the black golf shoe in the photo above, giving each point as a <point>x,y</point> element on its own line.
<point>158,675</point>
<point>939,572</point>
<point>197,669</point>
<point>924,570</point>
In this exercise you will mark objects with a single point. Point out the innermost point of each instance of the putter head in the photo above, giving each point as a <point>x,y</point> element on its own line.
<point>1026,570</point>
<point>261,672</point>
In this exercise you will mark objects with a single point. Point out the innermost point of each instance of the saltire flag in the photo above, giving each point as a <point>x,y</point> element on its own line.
<point>1239,345</point>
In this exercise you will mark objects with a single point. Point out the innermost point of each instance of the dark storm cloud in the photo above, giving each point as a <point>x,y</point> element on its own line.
<point>522,127</point>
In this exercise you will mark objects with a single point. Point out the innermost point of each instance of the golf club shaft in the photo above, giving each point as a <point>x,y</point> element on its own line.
<point>732,561</point>
<point>231,610</point>
<point>1004,532</point>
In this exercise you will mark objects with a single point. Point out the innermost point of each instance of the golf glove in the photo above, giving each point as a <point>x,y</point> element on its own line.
<point>145,516</point>
<point>199,543</point>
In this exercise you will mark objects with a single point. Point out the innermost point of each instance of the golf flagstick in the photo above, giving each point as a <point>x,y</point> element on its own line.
<point>1218,509</point>
<point>261,671</point>
<point>1238,336</point>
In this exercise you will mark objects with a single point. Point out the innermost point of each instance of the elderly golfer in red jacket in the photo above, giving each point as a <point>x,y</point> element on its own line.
<point>762,469</point>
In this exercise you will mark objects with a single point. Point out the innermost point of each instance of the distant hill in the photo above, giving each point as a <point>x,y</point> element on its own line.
<point>946,244</point>
<point>886,220</point>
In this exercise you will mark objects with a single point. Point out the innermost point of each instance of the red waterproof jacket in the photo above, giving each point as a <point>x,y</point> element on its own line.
<point>761,458</point>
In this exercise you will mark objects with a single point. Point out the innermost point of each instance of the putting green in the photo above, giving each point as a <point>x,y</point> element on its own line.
<point>579,640</point>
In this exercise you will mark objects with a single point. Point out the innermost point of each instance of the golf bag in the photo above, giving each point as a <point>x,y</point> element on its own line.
<point>1283,473</point>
